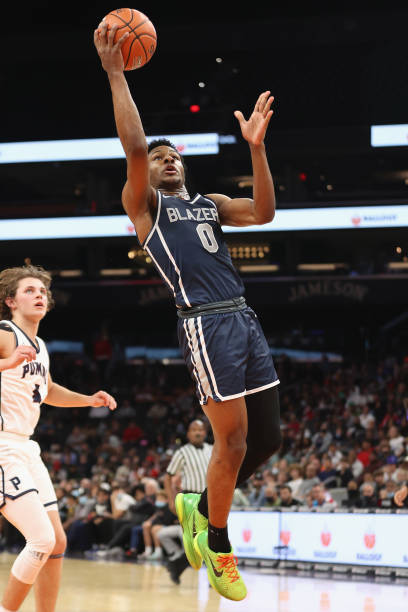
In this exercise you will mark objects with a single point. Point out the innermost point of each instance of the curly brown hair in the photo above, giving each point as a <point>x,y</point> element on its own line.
<point>9,280</point>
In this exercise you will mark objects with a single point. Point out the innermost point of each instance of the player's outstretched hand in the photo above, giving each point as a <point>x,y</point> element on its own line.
<point>109,52</point>
<point>254,129</point>
<point>400,495</point>
<point>101,398</point>
<point>20,354</point>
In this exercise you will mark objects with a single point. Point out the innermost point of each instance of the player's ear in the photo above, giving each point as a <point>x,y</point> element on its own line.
<point>10,302</point>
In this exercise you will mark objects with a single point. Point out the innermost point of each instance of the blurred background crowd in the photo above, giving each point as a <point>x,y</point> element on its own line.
<point>345,437</point>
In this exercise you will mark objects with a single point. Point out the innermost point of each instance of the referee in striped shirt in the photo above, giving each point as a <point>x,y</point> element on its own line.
<point>191,462</point>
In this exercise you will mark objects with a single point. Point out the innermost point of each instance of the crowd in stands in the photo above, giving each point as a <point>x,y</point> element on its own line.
<point>344,426</point>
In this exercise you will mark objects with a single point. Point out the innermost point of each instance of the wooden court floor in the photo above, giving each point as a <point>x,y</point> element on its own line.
<point>107,586</point>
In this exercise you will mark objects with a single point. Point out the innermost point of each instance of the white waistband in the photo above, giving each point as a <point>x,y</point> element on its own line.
<point>9,435</point>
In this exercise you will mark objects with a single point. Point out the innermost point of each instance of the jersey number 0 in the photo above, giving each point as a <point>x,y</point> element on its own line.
<point>206,234</point>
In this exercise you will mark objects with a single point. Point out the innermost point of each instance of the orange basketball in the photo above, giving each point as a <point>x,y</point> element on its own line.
<point>138,49</point>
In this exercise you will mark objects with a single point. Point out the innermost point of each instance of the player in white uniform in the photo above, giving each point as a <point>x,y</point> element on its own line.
<point>27,497</point>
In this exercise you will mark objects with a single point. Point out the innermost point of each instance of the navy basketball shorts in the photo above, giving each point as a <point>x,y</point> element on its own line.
<point>227,355</point>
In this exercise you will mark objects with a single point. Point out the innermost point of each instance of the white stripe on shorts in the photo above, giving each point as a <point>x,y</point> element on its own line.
<point>205,383</point>
<point>206,358</point>
<point>199,387</point>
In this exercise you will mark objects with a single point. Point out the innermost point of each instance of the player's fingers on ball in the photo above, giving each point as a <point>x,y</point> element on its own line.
<point>122,39</point>
<point>111,34</point>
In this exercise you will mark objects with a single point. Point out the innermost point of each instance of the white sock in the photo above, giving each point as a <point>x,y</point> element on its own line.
<point>148,551</point>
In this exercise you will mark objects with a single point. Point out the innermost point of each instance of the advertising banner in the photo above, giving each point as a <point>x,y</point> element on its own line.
<point>352,539</point>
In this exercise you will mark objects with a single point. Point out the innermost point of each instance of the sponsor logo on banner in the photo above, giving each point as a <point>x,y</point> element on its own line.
<point>285,537</point>
<point>325,540</point>
<point>356,221</point>
<point>284,549</point>
<point>369,541</point>
<point>246,535</point>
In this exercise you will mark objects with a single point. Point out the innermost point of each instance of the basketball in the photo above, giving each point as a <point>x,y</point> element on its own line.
<point>138,49</point>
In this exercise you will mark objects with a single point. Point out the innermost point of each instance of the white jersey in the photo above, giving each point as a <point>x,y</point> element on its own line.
<point>24,388</point>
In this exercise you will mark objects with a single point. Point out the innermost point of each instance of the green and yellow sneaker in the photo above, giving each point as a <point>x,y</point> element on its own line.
<point>222,569</point>
<point>192,523</point>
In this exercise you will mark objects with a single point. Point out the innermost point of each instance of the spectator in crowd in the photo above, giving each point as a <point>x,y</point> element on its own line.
<point>162,516</point>
<point>309,481</point>
<point>321,498</point>
<point>344,473</point>
<point>271,497</point>
<point>295,472</point>
<point>286,498</point>
<point>367,498</point>
<point>141,508</point>
<point>328,473</point>
<point>321,440</point>
<point>257,495</point>
<point>367,419</point>
<point>396,440</point>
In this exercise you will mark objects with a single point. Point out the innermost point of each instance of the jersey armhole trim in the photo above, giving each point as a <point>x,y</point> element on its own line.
<point>8,326</point>
<point>156,221</point>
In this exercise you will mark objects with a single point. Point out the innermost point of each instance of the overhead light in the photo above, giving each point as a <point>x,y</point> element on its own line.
<point>320,267</point>
<point>115,272</point>
<point>259,268</point>
<point>70,273</point>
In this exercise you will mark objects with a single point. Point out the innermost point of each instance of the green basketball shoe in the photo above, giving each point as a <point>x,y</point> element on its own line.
<point>192,523</point>
<point>222,569</point>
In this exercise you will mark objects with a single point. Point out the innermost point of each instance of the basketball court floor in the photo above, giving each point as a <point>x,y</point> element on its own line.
<point>107,586</point>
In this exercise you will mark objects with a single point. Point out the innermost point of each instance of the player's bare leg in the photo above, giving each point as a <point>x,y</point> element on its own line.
<point>15,593</point>
<point>48,581</point>
<point>40,539</point>
<point>229,424</point>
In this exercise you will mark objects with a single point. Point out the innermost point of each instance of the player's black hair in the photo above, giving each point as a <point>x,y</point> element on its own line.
<point>164,142</point>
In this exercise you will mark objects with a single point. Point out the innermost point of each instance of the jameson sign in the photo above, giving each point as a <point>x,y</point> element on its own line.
<point>291,291</point>
<point>348,290</point>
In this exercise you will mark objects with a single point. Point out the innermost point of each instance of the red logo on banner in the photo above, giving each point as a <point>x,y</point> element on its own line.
<point>285,537</point>
<point>325,538</point>
<point>180,148</point>
<point>356,221</point>
<point>131,229</point>
<point>246,535</point>
<point>369,540</point>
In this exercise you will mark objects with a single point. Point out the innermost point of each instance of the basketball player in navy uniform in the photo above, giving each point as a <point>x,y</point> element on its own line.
<point>220,336</point>
<point>27,496</point>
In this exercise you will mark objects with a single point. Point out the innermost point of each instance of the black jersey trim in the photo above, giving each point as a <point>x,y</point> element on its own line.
<point>13,497</point>
<point>50,503</point>
<point>155,221</point>
<point>33,344</point>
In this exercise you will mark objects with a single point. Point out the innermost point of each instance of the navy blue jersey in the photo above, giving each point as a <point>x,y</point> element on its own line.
<point>187,246</point>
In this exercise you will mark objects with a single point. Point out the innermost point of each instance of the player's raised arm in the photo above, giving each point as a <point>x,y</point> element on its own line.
<point>260,209</point>
<point>138,195</point>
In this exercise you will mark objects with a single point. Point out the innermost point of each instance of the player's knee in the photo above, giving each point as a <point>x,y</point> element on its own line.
<point>235,446</point>
<point>60,542</point>
<point>34,555</point>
